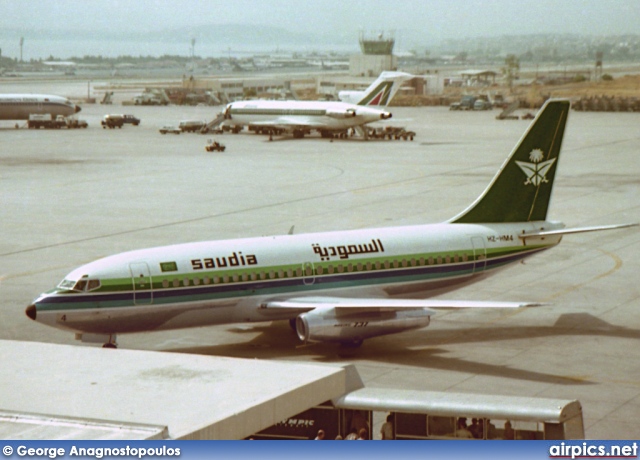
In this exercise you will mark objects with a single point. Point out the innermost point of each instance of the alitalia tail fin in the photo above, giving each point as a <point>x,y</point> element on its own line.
<point>381,91</point>
<point>521,190</point>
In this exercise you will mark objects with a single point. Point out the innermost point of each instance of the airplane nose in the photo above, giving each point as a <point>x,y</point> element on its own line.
<point>31,312</point>
<point>78,108</point>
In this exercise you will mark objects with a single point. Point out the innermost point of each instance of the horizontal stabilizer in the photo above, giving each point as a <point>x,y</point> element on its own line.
<point>568,231</point>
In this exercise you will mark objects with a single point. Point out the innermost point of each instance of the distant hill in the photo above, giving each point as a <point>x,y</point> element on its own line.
<point>221,34</point>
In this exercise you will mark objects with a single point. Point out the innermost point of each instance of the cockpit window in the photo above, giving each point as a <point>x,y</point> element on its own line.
<point>93,285</point>
<point>66,284</point>
<point>82,285</point>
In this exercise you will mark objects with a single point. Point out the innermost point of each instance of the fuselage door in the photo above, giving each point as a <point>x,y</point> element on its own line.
<point>479,254</point>
<point>141,278</point>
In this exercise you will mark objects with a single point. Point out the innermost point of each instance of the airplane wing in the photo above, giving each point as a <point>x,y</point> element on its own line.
<point>359,305</point>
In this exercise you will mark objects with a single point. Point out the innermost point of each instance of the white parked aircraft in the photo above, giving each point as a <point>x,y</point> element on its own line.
<point>332,287</point>
<point>355,97</point>
<point>20,106</point>
<point>326,117</point>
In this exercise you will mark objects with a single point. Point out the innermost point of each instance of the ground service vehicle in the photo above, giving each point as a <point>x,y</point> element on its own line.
<point>170,130</point>
<point>214,146</point>
<point>72,123</point>
<point>466,103</point>
<point>191,126</point>
<point>437,415</point>
<point>482,104</point>
<point>112,121</point>
<point>44,120</point>
<point>131,119</point>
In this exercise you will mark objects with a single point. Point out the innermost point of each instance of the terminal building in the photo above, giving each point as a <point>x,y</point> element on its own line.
<point>80,392</point>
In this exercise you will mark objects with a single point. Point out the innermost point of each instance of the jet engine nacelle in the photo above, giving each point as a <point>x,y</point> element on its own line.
<point>349,113</point>
<point>329,326</point>
<point>385,115</point>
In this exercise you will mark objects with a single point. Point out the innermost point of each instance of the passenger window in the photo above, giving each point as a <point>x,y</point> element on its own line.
<point>165,283</point>
<point>176,283</point>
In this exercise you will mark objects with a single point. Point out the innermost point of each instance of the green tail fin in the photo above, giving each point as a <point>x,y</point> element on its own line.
<point>521,190</point>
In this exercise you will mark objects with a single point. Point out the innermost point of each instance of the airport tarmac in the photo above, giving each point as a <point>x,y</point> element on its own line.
<point>70,197</point>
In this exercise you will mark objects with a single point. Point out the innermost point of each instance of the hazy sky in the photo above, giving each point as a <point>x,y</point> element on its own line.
<point>431,20</point>
<point>418,24</point>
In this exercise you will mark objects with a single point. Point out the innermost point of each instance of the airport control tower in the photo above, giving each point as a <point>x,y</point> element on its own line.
<point>377,54</point>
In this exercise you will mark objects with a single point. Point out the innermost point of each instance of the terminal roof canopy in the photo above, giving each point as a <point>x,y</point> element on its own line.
<point>98,392</point>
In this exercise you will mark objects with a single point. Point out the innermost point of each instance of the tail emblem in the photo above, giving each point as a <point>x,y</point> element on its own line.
<point>536,172</point>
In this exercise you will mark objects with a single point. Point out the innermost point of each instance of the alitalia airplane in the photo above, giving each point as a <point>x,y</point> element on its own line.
<point>325,117</point>
<point>20,106</point>
<point>332,287</point>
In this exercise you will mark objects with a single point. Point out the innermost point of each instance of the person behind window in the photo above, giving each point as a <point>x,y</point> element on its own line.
<point>386,432</point>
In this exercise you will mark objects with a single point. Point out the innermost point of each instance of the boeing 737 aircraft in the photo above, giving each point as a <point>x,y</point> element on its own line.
<point>302,117</point>
<point>332,287</point>
<point>20,106</point>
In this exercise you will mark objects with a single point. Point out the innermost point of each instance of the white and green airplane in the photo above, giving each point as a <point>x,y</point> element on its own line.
<point>332,287</point>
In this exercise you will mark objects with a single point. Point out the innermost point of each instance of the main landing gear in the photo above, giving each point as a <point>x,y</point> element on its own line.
<point>111,343</point>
